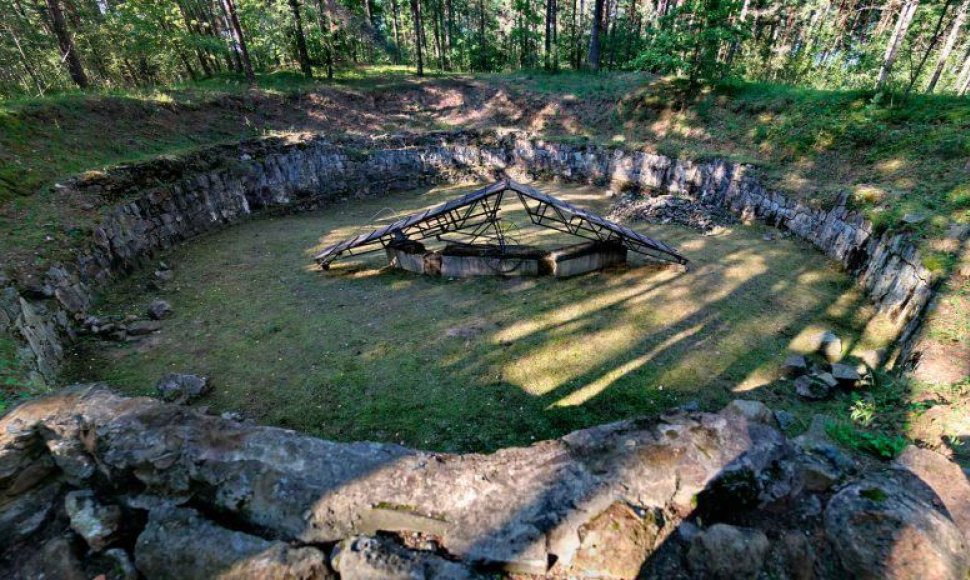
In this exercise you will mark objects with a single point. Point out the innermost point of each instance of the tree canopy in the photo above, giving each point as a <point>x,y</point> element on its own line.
<point>904,45</point>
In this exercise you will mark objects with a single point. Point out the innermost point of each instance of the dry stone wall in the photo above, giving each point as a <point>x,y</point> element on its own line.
<point>108,482</point>
<point>170,200</point>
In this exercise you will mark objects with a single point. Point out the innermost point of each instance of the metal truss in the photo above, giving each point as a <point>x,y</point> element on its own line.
<point>475,216</point>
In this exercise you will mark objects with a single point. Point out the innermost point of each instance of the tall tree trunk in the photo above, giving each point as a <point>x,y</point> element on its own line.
<point>594,37</point>
<point>301,50</point>
<point>895,41</point>
<point>395,26</point>
<point>237,33</point>
<point>914,75</point>
<point>25,62</point>
<point>69,53</point>
<point>963,79</point>
<point>482,56</point>
<point>947,49</point>
<point>418,35</point>
<point>326,33</point>
<point>548,40</point>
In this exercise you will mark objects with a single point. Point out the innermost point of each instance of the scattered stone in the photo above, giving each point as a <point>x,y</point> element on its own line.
<point>768,237</point>
<point>143,327</point>
<point>178,543</point>
<point>887,526</point>
<point>728,552</point>
<point>812,388</point>
<point>830,346</point>
<point>753,411</point>
<point>366,558</point>
<point>785,419</point>
<point>182,388</point>
<point>97,523</point>
<point>827,379</point>
<point>912,219</point>
<point>164,275</point>
<point>159,309</point>
<point>665,209</point>
<point>795,366</point>
<point>232,416</point>
<point>845,375</point>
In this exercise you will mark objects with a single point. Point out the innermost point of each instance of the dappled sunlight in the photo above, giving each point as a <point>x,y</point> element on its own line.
<point>363,351</point>
<point>589,391</point>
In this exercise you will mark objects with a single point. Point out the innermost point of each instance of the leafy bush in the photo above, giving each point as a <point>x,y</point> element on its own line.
<point>877,444</point>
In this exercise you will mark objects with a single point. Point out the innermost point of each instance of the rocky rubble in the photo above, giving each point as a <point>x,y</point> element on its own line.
<point>666,209</point>
<point>684,495</point>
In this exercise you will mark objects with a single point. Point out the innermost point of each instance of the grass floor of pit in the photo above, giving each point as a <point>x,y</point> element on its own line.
<point>367,352</point>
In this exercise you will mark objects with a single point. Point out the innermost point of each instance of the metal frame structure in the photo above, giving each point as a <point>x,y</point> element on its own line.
<point>476,216</point>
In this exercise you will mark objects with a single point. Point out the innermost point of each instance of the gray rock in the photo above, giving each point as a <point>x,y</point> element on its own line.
<point>159,309</point>
<point>812,389</point>
<point>123,566</point>
<point>912,219</point>
<point>182,388</point>
<point>366,558</point>
<point>950,484</point>
<point>826,378</point>
<point>887,526</point>
<point>830,346</point>
<point>164,275</point>
<point>312,491</point>
<point>178,543</point>
<point>143,327</point>
<point>616,543</point>
<point>795,366</point>
<point>785,419</point>
<point>97,523</point>
<point>845,375</point>
<point>728,552</point>
<point>23,515</point>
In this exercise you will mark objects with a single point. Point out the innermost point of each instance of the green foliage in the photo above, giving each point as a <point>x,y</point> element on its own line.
<point>691,40</point>
<point>876,443</point>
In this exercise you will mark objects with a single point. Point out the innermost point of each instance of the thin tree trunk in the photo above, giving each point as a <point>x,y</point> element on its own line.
<point>301,50</point>
<point>237,33</point>
<point>914,75</point>
<point>895,41</point>
<point>951,41</point>
<point>69,53</point>
<point>25,62</point>
<point>594,37</point>
<point>395,27</point>
<point>963,79</point>
<point>326,32</point>
<point>418,35</point>
<point>482,57</point>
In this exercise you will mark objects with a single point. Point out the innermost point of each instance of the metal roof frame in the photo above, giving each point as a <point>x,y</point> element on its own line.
<point>475,215</point>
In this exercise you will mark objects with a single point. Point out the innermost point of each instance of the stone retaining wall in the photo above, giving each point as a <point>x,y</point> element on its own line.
<point>171,200</point>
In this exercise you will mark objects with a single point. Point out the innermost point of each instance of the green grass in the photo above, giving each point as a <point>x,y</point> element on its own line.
<point>362,352</point>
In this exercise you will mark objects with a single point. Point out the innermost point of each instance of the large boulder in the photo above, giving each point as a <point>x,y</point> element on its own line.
<point>179,544</point>
<point>728,552</point>
<point>888,526</point>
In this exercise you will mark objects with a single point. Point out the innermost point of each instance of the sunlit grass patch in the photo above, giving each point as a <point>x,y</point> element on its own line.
<point>363,352</point>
